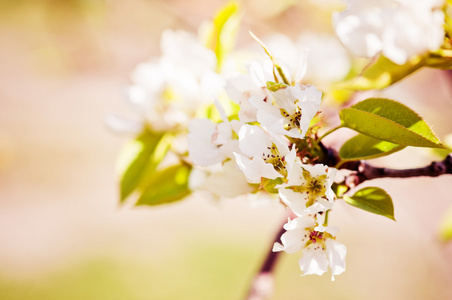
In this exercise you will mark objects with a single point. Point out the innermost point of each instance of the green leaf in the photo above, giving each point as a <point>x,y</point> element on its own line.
<point>166,185</point>
<point>380,74</point>
<point>139,157</point>
<point>223,30</point>
<point>445,227</point>
<point>389,121</point>
<point>365,147</point>
<point>374,200</point>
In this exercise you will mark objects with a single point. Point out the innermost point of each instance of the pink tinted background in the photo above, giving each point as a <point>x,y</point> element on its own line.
<point>64,65</point>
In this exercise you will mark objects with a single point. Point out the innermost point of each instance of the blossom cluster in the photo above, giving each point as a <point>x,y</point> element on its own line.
<point>258,135</point>
<point>168,90</point>
<point>256,150</point>
<point>399,29</point>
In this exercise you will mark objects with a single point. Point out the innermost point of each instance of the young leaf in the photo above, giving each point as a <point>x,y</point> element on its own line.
<point>339,189</point>
<point>365,147</point>
<point>166,185</point>
<point>390,121</point>
<point>374,200</point>
<point>223,30</point>
<point>138,157</point>
<point>380,74</point>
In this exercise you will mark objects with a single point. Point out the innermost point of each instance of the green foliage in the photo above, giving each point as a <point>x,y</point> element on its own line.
<point>365,147</point>
<point>374,200</point>
<point>140,157</point>
<point>166,185</point>
<point>389,121</point>
<point>223,31</point>
<point>381,73</point>
<point>339,189</point>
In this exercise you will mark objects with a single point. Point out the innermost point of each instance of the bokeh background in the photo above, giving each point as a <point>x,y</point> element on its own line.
<point>63,67</point>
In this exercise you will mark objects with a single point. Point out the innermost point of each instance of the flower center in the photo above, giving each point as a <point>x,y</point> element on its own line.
<point>293,120</point>
<point>313,188</point>
<point>316,236</point>
<point>278,161</point>
<point>316,186</point>
<point>314,239</point>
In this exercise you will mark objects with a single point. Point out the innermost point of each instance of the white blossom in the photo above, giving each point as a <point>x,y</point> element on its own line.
<point>317,243</point>
<point>222,180</point>
<point>315,57</point>
<point>250,86</point>
<point>167,91</point>
<point>399,29</point>
<point>210,143</point>
<point>261,155</point>
<point>295,107</point>
<point>308,188</point>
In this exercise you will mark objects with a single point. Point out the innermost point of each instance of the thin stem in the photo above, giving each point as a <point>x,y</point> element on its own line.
<point>281,73</point>
<point>329,132</point>
<point>275,63</point>
<point>325,222</point>
<point>262,285</point>
<point>341,162</point>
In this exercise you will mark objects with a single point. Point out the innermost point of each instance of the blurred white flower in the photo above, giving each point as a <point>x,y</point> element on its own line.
<point>319,58</point>
<point>167,91</point>
<point>399,29</point>
<point>222,180</point>
<point>319,248</point>
<point>211,143</point>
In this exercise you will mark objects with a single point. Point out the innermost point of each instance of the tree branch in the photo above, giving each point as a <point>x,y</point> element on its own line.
<point>364,171</point>
<point>262,286</point>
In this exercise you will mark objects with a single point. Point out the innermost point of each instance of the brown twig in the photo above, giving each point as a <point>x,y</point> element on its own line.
<point>262,286</point>
<point>369,172</point>
<point>365,171</point>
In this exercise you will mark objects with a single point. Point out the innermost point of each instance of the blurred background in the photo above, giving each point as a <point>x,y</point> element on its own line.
<point>63,67</point>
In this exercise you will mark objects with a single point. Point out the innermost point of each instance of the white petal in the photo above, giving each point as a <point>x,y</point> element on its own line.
<point>295,201</point>
<point>269,116</point>
<point>313,262</point>
<point>336,255</point>
<point>201,150</point>
<point>186,51</point>
<point>229,182</point>
<point>318,206</point>
<point>255,168</point>
<point>302,222</point>
<point>253,140</point>
<point>316,170</point>
<point>294,170</point>
<point>220,109</point>
<point>247,111</point>
<point>291,241</point>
